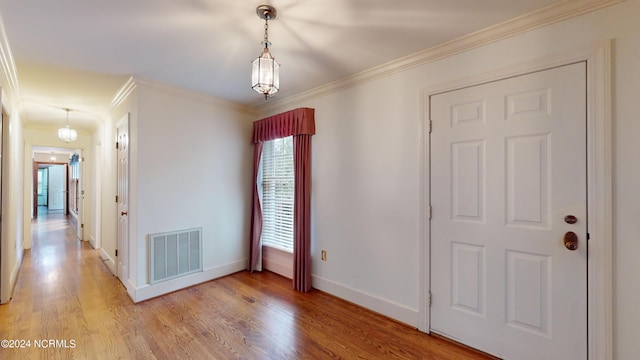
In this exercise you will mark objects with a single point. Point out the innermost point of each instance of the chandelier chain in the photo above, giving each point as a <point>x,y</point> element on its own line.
<point>266,32</point>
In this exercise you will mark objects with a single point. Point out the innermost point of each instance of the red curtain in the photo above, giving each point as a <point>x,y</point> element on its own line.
<point>300,124</point>
<point>301,213</point>
<point>255,252</point>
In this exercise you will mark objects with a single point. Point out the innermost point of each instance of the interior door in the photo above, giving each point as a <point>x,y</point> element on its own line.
<point>80,194</point>
<point>56,189</point>
<point>122,136</point>
<point>508,181</point>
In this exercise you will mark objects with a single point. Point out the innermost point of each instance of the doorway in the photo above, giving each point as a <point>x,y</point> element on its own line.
<point>58,184</point>
<point>43,187</point>
<point>50,188</point>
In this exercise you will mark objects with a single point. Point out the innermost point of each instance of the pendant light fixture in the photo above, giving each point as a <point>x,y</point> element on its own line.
<point>265,76</point>
<point>67,134</point>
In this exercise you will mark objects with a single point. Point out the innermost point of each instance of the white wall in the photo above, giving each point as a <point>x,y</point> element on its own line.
<point>191,167</point>
<point>95,202</point>
<point>12,204</point>
<point>365,161</point>
<point>11,248</point>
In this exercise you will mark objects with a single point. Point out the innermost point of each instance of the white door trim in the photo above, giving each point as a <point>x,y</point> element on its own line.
<point>599,186</point>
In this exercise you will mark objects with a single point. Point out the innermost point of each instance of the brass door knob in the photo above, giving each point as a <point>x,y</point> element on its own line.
<point>571,240</point>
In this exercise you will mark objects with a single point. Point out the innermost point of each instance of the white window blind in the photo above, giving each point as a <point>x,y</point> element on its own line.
<point>277,193</point>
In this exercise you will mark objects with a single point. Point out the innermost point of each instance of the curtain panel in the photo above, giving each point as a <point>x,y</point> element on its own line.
<point>255,250</point>
<point>300,124</point>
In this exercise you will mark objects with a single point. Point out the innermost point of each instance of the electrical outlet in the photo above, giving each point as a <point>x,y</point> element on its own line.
<point>324,255</point>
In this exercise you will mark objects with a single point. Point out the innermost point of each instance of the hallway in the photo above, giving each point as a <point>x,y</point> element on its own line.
<point>64,293</point>
<point>66,299</point>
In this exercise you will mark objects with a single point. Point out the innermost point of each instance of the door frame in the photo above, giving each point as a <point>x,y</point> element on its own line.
<point>599,187</point>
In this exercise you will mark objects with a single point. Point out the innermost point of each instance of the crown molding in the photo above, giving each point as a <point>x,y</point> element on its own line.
<point>8,68</point>
<point>121,95</point>
<point>546,16</point>
<point>209,99</point>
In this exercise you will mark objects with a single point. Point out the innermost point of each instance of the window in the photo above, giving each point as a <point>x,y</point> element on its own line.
<point>277,193</point>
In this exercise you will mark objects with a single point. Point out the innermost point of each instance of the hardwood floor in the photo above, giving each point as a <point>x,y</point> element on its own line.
<point>65,294</point>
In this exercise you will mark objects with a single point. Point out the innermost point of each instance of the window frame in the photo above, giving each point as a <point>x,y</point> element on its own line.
<point>277,213</point>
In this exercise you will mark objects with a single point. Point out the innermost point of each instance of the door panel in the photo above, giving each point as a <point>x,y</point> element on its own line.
<point>508,163</point>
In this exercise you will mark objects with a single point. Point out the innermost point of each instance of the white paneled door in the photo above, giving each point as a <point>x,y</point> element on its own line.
<point>57,188</point>
<point>122,147</point>
<point>508,186</point>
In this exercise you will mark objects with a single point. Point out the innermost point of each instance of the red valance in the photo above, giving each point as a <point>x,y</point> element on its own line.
<point>295,122</point>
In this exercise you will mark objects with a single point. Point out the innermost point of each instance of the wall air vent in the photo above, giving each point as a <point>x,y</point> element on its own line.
<point>174,254</point>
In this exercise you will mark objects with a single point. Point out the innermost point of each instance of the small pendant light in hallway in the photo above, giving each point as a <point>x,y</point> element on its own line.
<point>67,134</point>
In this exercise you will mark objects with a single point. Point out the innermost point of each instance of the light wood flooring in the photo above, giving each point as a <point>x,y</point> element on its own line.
<point>66,294</point>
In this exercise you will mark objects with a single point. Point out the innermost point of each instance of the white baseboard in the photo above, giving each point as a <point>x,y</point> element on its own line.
<point>131,289</point>
<point>92,241</point>
<point>107,260</point>
<point>372,302</point>
<point>13,279</point>
<point>150,291</point>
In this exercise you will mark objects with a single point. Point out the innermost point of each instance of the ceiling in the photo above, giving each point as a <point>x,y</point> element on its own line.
<point>77,53</point>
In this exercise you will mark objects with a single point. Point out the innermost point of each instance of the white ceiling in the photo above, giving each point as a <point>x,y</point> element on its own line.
<point>77,53</point>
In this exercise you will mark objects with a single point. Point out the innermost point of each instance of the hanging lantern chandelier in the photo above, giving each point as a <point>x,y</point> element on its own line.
<point>67,134</point>
<point>265,75</point>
